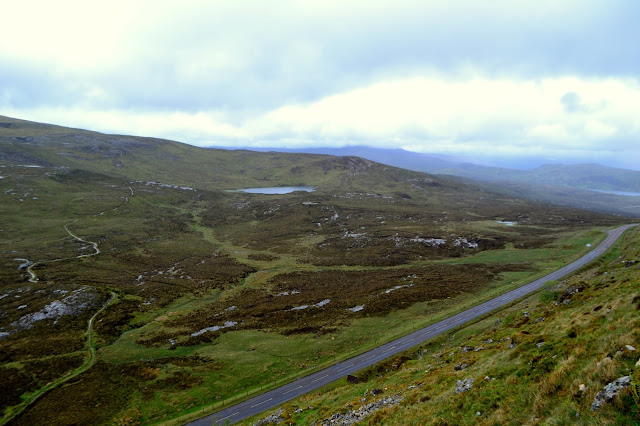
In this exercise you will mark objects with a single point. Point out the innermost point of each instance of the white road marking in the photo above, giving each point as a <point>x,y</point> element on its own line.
<point>284,393</point>
<point>260,403</point>
<point>319,378</point>
<point>344,368</point>
<point>387,350</point>
<point>230,415</point>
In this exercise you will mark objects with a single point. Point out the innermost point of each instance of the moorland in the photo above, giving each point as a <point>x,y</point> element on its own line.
<point>203,295</point>
<point>543,360</point>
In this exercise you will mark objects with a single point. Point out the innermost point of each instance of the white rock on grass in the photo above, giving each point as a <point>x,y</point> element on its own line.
<point>464,385</point>
<point>610,392</point>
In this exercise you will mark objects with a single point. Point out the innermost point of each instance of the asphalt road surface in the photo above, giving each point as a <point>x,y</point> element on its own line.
<point>318,379</point>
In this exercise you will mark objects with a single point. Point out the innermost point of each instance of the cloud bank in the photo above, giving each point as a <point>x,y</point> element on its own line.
<point>556,80</point>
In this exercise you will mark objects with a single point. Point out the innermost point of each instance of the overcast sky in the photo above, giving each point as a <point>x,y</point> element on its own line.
<point>550,80</point>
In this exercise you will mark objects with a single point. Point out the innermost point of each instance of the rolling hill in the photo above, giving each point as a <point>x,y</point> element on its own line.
<point>201,294</point>
<point>582,186</point>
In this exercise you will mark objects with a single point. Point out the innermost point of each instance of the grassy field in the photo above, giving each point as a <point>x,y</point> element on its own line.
<point>222,294</point>
<point>540,361</point>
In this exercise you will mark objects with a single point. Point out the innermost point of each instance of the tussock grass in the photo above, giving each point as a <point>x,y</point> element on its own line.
<point>527,384</point>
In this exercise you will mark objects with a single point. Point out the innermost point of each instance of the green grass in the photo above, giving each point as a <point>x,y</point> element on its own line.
<point>584,344</point>
<point>177,257</point>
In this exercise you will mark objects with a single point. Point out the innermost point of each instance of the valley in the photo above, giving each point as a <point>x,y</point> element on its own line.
<point>220,295</point>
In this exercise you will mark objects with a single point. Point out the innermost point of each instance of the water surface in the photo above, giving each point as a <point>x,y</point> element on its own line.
<point>278,189</point>
<point>623,193</point>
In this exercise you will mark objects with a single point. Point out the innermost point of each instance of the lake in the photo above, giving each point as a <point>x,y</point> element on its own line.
<point>623,193</point>
<point>278,189</point>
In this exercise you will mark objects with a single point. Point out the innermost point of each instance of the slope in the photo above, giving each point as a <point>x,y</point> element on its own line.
<point>541,361</point>
<point>219,293</point>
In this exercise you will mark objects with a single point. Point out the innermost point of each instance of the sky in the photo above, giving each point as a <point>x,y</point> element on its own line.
<point>545,80</point>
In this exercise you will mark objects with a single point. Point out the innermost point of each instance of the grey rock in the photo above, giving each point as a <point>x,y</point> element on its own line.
<point>464,385</point>
<point>460,366</point>
<point>610,392</point>
<point>271,419</point>
<point>352,417</point>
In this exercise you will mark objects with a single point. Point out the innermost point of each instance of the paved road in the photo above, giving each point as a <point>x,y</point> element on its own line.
<point>306,384</point>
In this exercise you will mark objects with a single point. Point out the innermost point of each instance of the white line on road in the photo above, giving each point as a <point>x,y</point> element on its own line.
<point>291,390</point>
<point>389,349</point>
<point>260,403</point>
<point>344,368</point>
<point>319,378</point>
<point>230,415</point>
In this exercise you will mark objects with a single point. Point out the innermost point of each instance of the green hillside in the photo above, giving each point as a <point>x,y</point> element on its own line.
<point>203,295</point>
<point>585,176</point>
<point>541,361</point>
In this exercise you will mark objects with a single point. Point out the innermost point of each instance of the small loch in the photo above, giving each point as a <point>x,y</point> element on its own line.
<point>277,189</point>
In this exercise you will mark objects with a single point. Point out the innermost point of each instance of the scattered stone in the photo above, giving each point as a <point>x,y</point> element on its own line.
<point>467,349</point>
<point>478,413</point>
<point>356,416</point>
<point>460,366</point>
<point>610,392</point>
<point>464,385</point>
<point>538,320</point>
<point>273,418</point>
<point>582,387</point>
<point>570,292</point>
<point>539,345</point>
<point>479,348</point>
<point>631,348</point>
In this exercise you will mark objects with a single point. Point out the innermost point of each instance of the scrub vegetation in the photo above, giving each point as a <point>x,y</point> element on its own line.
<point>220,294</point>
<point>541,361</point>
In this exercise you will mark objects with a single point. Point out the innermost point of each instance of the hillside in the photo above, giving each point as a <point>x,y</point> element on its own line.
<point>566,185</point>
<point>584,176</point>
<point>544,360</point>
<point>200,295</point>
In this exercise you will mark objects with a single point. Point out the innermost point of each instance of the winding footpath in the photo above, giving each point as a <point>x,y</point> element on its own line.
<point>33,278</point>
<point>323,377</point>
<point>92,350</point>
<point>84,367</point>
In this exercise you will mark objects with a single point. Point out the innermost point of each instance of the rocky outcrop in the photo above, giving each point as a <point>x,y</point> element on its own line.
<point>352,417</point>
<point>271,419</point>
<point>464,385</point>
<point>610,392</point>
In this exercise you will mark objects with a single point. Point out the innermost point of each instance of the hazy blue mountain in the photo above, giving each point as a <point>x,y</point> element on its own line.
<point>553,183</point>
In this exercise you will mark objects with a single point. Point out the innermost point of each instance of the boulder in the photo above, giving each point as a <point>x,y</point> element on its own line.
<point>610,392</point>
<point>464,385</point>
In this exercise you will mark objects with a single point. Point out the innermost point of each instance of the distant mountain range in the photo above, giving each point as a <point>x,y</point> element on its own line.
<point>585,176</point>
<point>570,185</point>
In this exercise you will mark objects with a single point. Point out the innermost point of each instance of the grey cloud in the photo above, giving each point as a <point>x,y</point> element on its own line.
<point>572,102</point>
<point>254,55</point>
